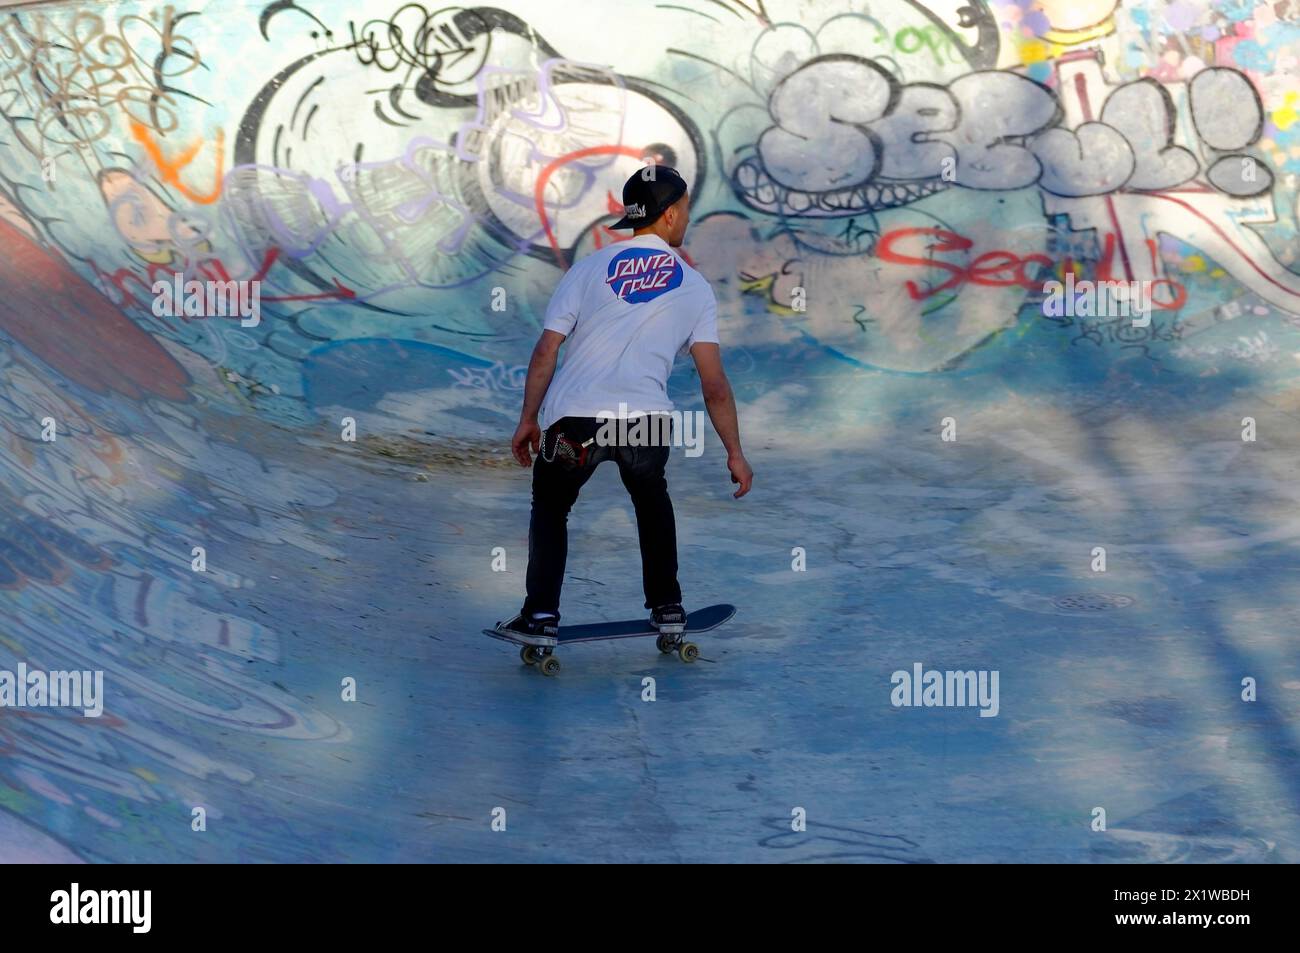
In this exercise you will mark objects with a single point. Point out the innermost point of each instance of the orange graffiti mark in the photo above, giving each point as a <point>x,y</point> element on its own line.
<point>112,454</point>
<point>25,456</point>
<point>170,169</point>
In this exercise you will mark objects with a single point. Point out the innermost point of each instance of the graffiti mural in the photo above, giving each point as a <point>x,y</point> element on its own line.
<point>397,162</point>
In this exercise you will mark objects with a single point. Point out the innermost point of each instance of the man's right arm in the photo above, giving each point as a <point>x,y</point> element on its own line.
<point>541,368</point>
<point>721,404</point>
<point>561,316</point>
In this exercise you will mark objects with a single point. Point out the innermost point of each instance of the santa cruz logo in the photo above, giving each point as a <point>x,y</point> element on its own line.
<point>643,274</point>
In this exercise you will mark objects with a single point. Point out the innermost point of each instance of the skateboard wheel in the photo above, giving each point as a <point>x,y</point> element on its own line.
<point>665,643</point>
<point>528,654</point>
<point>550,665</point>
<point>688,652</point>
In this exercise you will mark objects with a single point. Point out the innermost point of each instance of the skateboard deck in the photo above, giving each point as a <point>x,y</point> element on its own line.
<point>538,649</point>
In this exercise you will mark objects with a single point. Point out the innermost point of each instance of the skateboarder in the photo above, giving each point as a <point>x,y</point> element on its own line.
<point>626,312</point>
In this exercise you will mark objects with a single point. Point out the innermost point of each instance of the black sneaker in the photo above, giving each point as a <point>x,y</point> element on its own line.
<point>541,625</point>
<point>669,620</point>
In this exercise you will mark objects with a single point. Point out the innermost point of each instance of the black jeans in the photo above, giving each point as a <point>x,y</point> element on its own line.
<point>557,478</point>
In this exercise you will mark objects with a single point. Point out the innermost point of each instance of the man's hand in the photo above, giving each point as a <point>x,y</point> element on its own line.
<point>741,473</point>
<point>527,435</point>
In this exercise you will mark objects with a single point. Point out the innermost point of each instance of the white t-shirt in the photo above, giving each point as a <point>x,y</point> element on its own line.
<point>627,312</point>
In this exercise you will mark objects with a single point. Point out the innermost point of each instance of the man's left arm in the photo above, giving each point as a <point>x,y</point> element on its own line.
<point>541,368</point>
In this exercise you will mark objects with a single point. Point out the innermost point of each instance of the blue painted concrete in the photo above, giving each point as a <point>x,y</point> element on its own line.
<point>373,559</point>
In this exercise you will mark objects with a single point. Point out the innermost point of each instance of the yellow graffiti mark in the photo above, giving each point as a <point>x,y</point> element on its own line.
<point>1033,51</point>
<point>765,285</point>
<point>1068,38</point>
<point>1287,115</point>
<point>170,169</point>
<point>1057,42</point>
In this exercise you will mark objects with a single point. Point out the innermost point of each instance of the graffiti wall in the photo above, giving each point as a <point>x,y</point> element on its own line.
<point>918,171</point>
<point>880,188</point>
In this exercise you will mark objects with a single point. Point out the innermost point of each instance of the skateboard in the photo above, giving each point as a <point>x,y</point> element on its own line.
<point>539,650</point>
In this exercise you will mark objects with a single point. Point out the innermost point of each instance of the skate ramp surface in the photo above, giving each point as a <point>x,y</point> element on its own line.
<point>287,620</point>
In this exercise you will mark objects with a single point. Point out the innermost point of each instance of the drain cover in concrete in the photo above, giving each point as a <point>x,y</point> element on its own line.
<point>1091,601</point>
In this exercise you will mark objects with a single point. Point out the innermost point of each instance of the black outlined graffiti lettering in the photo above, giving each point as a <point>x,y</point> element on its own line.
<point>1091,160</point>
<point>998,109</point>
<point>1225,108</point>
<point>829,100</point>
<point>1143,113</point>
<point>907,135</point>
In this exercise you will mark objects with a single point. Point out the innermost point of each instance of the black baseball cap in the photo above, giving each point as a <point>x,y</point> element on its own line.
<point>648,193</point>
